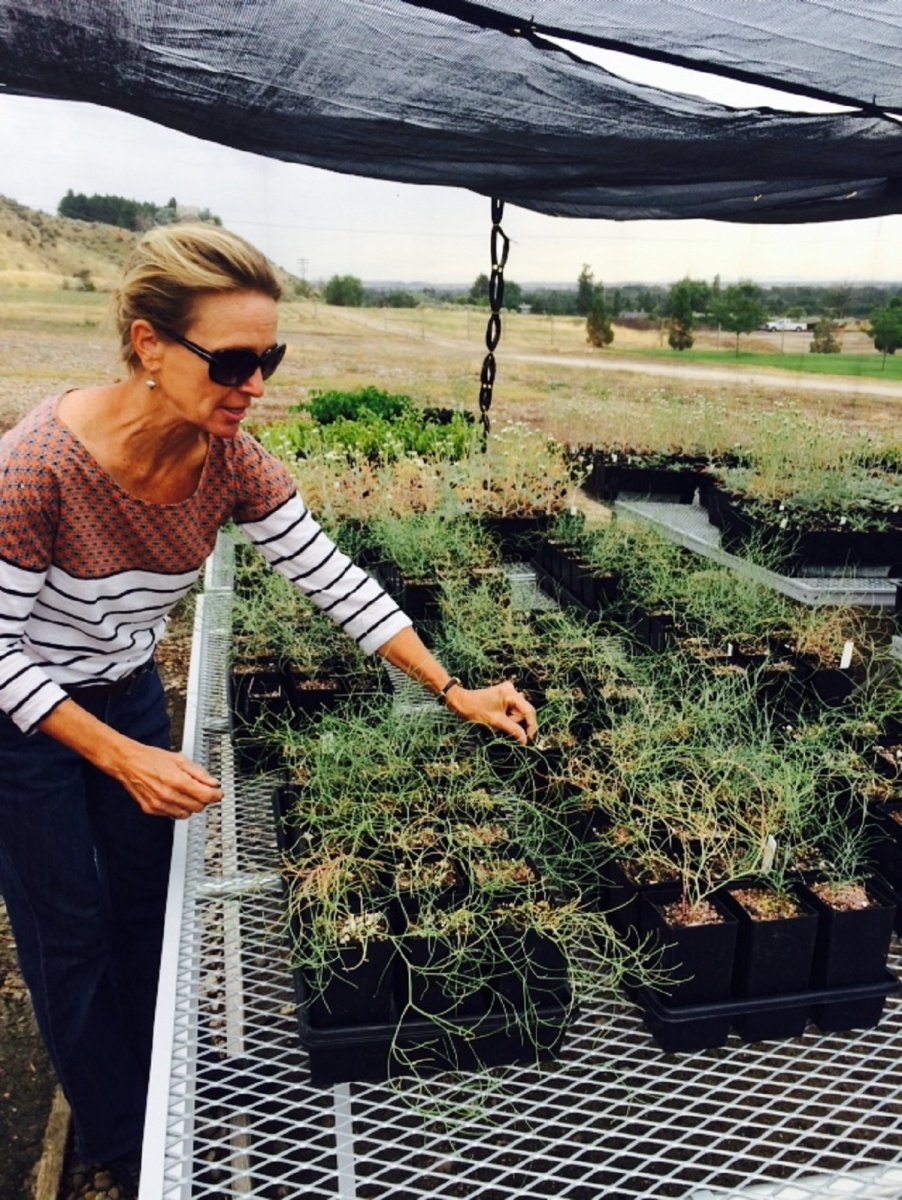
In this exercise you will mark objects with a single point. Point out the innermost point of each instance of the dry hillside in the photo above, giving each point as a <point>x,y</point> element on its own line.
<point>41,251</point>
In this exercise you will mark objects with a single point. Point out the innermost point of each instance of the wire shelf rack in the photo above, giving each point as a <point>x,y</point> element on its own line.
<point>688,525</point>
<point>232,1111</point>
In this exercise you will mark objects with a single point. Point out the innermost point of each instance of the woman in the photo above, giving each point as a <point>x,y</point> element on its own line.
<point>111,498</point>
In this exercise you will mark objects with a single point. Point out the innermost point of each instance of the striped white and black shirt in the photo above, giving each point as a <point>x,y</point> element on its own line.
<point>89,573</point>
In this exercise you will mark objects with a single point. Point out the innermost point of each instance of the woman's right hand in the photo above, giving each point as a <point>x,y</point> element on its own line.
<point>166,783</point>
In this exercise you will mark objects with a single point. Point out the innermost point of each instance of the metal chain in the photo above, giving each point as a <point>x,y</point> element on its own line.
<point>500,245</point>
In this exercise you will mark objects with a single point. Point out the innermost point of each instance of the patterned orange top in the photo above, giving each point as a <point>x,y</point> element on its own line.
<point>88,572</point>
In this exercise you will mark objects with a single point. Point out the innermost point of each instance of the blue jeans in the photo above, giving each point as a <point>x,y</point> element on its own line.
<point>84,873</point>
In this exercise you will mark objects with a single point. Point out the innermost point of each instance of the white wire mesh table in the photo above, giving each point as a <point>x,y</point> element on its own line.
<point>232,1111</point>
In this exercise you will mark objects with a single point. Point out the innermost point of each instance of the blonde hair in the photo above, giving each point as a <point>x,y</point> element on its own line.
<point>173,265</point>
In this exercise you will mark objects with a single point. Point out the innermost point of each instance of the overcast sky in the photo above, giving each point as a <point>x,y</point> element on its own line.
<point>319,224</point>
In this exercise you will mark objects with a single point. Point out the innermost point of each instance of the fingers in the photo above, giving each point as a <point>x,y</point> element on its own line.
<point>511,728</point>
<point>196,772</point>
<point>526,714</point>
<point>198,788</point>
<point>166,784</point>
<point>501,707</point>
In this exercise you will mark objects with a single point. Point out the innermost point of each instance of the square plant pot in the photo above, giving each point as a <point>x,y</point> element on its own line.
<point>357,988</point>
<point>852,943</point>
<point>682,1029</point>
<point>432,979</point>
<point>621,886</point>
<point>774,955</point>
<point>530,970</point>
<point>308,696</point>
<point>517,537</point>
<point>698,958</point>
<point>258,700</point>
<point>850,958</point>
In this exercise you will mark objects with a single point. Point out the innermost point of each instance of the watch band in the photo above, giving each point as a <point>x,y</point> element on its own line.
<point>452,682</point>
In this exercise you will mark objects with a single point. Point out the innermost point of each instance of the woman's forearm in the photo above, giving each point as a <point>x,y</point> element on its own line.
<point>163,783</point>
<point>407,652</point>
<point>501,706</point>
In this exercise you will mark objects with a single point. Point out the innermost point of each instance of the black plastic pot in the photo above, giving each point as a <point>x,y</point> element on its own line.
<point>619,893</point>
<point>839,548</point>
<point>596,589</point>
<point>610,481</point>
<point>428,979</point>
<point>420,599</point>
<point>591,594</point>
<point>885,822</point>
<point>532,970</point>
<point>310,696</point>
<point>357,990</point>
<point>658,630</point>
<point>424,1046</point>
<point>258,698</point>
<point>363,1026</point>
<point>698,958</point>
<point>773,957</point>
<point>830,686</point>
<point>691,1027</point>
<point>410,901</point>
<point>851,948</point>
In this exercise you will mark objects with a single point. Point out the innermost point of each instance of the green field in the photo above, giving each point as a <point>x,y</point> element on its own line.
<point>867,366</point>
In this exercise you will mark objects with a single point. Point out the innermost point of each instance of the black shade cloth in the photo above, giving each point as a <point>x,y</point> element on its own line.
<point>846,51</point>
<point>447,94</point>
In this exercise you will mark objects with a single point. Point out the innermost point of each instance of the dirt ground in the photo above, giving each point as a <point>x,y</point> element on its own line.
<point>546,376</point>
<point>26,1077</point>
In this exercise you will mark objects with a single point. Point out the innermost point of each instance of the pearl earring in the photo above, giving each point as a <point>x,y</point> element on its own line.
<point>151,383</point>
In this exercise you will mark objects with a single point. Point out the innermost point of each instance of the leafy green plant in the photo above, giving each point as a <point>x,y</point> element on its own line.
<point>326,407</point>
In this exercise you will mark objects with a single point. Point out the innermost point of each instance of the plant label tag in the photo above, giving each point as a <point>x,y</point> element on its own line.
<point>729,649</point>
<point>847,651</point>
<point>784,523</point>
<point>770,852</point>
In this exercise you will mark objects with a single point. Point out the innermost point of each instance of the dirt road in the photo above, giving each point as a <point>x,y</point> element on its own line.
<point>612,362</point>
<point>791,380</point>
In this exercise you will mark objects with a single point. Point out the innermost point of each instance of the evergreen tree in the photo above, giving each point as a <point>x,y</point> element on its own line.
<point>824,340</point>
<point>598,325</point>
<point>479,292</point>
<point>586,290</point>
<point>680,310</point>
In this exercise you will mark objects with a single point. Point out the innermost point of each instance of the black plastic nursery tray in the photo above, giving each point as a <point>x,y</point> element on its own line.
<point>489,1032</point>
<point>688,1027</point>
<point>378,1052</point>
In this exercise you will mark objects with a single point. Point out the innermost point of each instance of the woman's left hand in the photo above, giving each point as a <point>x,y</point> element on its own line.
<point>502,707</point>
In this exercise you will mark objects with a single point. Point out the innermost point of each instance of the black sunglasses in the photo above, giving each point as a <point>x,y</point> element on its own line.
<point>229,368</point>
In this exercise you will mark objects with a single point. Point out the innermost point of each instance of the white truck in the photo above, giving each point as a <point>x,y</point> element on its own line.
<point>785,325</point>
